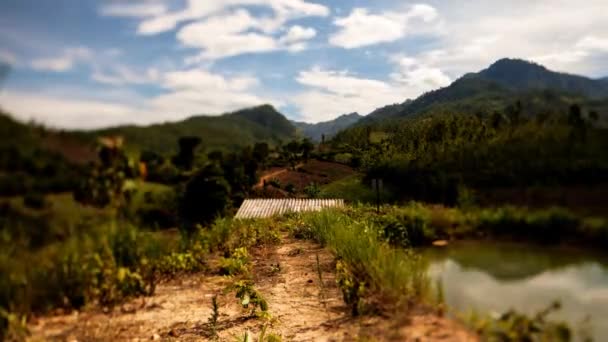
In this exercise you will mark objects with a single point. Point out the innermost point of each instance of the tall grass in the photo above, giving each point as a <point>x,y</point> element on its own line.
<point>395,275</point>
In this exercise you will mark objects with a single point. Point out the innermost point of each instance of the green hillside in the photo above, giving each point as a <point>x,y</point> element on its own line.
<point>229,131</point>
<point>499,87</point>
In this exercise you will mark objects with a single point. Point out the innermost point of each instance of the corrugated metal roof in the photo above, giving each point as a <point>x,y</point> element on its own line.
<point>257,208</point>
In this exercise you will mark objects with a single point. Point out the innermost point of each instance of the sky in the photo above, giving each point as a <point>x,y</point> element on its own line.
<point>96,63</point>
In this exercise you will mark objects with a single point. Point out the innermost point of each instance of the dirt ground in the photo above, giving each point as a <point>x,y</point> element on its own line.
<point>296,278</point>
<point>314,171</point>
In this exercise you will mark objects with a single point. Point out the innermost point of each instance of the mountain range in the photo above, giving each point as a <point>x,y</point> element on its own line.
<point>327,129</point>
<point>495,88</point>
<point>505,82</point>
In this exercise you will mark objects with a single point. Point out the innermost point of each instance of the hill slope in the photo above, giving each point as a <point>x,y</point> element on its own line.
<point>328,128</point>
<point>228,131</point>
<point>499,86</point>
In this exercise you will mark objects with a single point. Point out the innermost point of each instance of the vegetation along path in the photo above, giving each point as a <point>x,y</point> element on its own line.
<point>298,281</point>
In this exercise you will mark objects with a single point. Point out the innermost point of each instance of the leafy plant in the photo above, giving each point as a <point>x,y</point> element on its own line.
<point>214,317</point>
<point>236,264</point>
<point>352,288</point>
<point>249,297</point>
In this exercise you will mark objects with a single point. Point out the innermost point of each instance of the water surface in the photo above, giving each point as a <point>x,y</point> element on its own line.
<point>495,277</point>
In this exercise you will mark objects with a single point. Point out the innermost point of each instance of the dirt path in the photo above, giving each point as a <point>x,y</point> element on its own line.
<point>305,305</point>
<point>273,174</point>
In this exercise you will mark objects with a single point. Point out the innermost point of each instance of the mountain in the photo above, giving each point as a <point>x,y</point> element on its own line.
<point>228,131</point>
<point>499,86</point>
<point>517,74</point>
<point>328,128</point>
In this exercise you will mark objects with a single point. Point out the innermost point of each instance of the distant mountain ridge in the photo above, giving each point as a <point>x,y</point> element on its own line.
<point>328,129</point>
<point>228,131</point>
<point>493,88</point>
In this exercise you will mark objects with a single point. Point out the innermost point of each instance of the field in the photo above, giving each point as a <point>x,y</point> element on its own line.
<point>312,172</point>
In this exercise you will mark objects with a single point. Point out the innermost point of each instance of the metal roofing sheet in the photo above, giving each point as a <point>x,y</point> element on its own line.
<point>257,208</point>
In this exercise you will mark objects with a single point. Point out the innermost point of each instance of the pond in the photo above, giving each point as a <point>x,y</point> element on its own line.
<point>491,277</point>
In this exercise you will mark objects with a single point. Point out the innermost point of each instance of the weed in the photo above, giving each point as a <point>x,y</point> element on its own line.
<point>249,297</point>
<point>213,319</point>
<point>238,263</point>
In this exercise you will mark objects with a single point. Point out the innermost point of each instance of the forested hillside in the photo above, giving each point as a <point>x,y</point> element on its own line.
<point>228,132</point>
<point>498,87</point>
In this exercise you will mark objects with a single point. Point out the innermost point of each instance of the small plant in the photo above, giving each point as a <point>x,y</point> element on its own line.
<point>270,337</point>
<point>352,289</point>
<point>250,297</point>
<point>312,190</point>
<point>213,319</point>
<point>236,264</point>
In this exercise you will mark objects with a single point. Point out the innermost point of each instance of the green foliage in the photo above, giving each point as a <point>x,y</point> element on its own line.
<point>237,263</point>
<point>249,297</point>
<point>206,197</point>
<point>435,158</point>
<point>352,288</point>
<point>370,265</point>
<point>185,157</point>
<point>258,124</point>
<point>312,190</point>
<point>108,181</point>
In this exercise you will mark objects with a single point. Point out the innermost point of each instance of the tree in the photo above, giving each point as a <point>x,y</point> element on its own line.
<point>307,147</point>
<point>185,158</point>
<point>261,151</point>
<point>205,197</point>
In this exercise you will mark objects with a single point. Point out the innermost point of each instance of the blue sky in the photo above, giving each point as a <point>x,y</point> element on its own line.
<point>94,63</point>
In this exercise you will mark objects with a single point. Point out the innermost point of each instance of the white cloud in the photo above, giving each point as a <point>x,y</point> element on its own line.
<point>361,28</point>
<point>284,11</point>
<point>186,93</point>
<point>562,35</point>
<point>298,33</point>
<point>332,93</point>
<point>226,35</point>
<point>64,62</point>
<point>67,112</point>
<point>121,75</point>
<point>144,9</point>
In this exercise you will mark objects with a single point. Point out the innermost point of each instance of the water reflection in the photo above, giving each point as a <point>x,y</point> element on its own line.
<point>497,277</point>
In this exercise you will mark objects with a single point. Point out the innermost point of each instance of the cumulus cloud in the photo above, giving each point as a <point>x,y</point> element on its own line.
<point>64,62</point>
<point>362,28</point>
<point>184,93</point>
<point>331,93</point>
<point>224,28</point>
<point>226,35</point>
<point>284,10</point>
<point>298,33</point>
<point>563,35</point>
<point>67,112</point>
